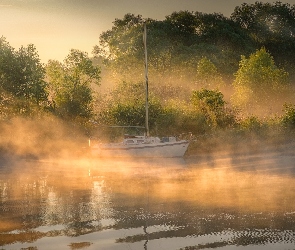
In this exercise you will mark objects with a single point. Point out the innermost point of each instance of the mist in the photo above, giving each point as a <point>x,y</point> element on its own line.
<point>235,184</point>
<point>46,137</point>
<point>52,190</point>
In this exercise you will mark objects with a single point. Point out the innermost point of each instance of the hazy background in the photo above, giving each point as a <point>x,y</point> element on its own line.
<point>56,26</point>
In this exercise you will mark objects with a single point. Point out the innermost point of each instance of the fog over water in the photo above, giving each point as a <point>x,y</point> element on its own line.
<point>235,190</point>
<point>214,200</point>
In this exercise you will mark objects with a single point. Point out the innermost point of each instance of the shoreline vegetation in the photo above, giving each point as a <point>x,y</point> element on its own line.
<point>225,83</point>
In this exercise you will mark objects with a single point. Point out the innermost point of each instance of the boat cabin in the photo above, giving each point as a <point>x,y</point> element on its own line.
<point>135,139</point>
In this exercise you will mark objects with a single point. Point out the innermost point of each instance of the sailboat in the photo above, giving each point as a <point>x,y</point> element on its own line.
<point>142,145</point>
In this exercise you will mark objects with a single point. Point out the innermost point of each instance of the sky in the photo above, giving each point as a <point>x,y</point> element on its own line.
<point>56,26</point>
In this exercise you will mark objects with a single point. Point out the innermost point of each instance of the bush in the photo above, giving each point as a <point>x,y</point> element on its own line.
<point>178,117</point>
<point>211,104</point>
<point>288,119</point>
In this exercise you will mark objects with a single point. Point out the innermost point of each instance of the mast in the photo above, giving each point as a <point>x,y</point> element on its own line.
<point>146,82</point>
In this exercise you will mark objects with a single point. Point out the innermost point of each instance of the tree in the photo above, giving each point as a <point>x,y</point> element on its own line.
<point>207,75</point>
<point>288,118</point>
<point>126,106</point>
<point>271,25</point>
<point>211,104</point>
<point>22,77</point>
<point>175,45</point>
<point>69,85</point>
<point>122,47</point>
<point>214,36</point>
<point>259,81</point>
<point>22,73</point>
<point>266,21</point>
<point>31,73</point>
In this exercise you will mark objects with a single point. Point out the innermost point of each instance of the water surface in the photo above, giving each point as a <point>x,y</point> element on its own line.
<point>208,202</point>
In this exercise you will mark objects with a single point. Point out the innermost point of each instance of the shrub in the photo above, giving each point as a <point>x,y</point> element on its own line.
<point>288,119</point>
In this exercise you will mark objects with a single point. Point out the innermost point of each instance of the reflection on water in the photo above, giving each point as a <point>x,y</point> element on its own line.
<point>203,203</point>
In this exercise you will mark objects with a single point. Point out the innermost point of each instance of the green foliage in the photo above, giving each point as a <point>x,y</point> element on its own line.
<point>128,91</point>
<point>179,117</point>
<point>271,25</point>
<point>208,100</point>
<point>183,49</point>
<point>258,80</point>
<point>288,119</point>
<point>69,85</point>
<point>211,104</point>
<point>21,72</point>
<point>178,42</point>
<point>207,74</point>
<point>266,21</point>
<point>133,113</point>
<point>21,79</point>
<point>126,106</point>
<point>251,123</point>
<point>175,45</point>
<point>122,47</point>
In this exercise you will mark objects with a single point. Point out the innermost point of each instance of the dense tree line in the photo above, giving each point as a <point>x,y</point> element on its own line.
<point>207,72</point>
<point>192,53</point>
<point>179,41</point>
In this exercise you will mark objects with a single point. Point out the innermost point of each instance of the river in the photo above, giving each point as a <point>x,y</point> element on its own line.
<point>221,201</point>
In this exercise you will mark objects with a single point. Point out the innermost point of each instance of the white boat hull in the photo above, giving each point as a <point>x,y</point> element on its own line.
<point>159,149</point>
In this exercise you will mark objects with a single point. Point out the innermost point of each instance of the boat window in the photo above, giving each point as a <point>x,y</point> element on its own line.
<point>129,141</point>
<point>140,141</point>
<point>165,139</point>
